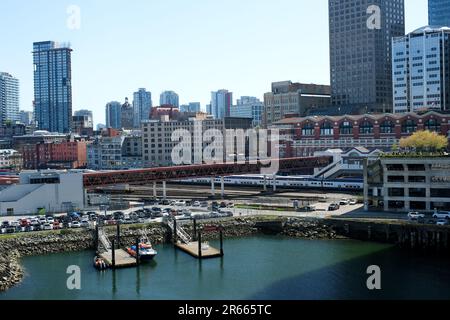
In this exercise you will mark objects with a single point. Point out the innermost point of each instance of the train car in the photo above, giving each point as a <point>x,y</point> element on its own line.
<point>285,182</point>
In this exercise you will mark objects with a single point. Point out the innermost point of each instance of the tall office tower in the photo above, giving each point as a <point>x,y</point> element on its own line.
<point>142,105</point>
<point>169,98</point>
<point>52,86</point>
<point>221,102</point>
<point>127,116</point>
<point>361,34</point>
<point>88,115</point>
<point>9,98</point>
<point>114,115</point>
<point>421,70</point>
<point>439,13</point>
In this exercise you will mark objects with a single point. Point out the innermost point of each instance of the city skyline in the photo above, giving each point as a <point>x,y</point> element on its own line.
<point>163,70</point>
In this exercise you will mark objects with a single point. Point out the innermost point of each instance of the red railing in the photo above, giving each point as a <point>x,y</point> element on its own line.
<point>144,176</point>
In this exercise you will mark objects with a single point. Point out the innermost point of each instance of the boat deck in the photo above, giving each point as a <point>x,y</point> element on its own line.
<point>192,249</point>
<point>123,259</point>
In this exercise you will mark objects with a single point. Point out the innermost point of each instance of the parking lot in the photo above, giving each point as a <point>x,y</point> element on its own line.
<point>146,213</point>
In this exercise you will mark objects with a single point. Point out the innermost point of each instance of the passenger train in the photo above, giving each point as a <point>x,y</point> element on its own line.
<point>286,182</point>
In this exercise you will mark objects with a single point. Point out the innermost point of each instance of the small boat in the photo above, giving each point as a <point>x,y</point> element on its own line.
<point>146,251</point>
<point>100,264</point>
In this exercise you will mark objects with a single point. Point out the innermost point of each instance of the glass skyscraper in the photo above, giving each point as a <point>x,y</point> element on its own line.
<point>360,52</point>
<point>169,98</point>
<point>221,102</point>
<point>142,105</point>
<point>114,115</point>
<point>439,13</point>
<point>52,86</point>
<point>9,98</point>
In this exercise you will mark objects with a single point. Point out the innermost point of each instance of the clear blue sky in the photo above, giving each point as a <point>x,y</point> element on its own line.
<point>190,46</point>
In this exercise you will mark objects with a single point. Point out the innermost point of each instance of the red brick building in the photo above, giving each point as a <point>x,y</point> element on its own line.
<point>57,155</point>
<point>304,136</point>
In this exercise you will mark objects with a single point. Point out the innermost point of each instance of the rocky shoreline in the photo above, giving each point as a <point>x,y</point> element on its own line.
<point>15,247</point>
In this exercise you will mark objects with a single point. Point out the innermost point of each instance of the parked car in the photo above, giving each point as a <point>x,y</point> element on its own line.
<point>353,202</point>
<point>75,225</point>
<point>165,202</point>
<point>334,207</point>
<point>204,204</point>
<point>180,203</point>
<point>441,215</point>
<point>442,222</point>
<point>307,209</point>
<point>57,226</point>
<point>415,216</point>
<point>196,204</point>
<point>47,227</point>
<point>344,202</point>
<point>118,215</point>
<point>5,224</point>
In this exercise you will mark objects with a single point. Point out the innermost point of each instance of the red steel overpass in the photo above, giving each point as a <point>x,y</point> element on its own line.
<point>144,176</point>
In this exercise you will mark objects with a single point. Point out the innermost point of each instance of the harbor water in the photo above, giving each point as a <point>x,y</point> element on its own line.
<point>262,267</point>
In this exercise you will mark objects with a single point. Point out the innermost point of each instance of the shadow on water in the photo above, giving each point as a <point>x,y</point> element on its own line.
<point>422,278</point>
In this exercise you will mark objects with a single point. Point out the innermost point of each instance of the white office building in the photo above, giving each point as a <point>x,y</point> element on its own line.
<point>421,70</point>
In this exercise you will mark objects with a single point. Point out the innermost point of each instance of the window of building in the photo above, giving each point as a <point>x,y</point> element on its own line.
<point>366,128</point>
<point>308,130</point>
<point>387,127</point>
<point>432,125</point>
<point>409,126</point>
<point>346,128</point>
<point>326,129</point>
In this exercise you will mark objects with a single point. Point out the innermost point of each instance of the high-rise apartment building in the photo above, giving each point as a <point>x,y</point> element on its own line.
<point>142,105</point>
<point>52,86</point>
<point>9,98</point>
<point>26,117</point>
<point>421,70</point>
<point>114,115</point>
<point>221,103</point>
<point>361,34</point>
<point>439,13</point>
<point>169,98</point>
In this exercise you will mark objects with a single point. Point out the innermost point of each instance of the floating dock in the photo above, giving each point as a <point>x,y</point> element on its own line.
<point>192,248</point>
<point>122,259</point>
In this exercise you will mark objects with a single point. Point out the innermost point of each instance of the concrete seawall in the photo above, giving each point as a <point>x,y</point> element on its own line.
<point>12,248</point>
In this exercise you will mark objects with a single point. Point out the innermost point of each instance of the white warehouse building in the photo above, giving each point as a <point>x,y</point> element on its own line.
<point>54,191</point>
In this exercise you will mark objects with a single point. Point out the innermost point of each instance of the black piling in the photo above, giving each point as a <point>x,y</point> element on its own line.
<point>175,240</point>
<point>199,245</point>
<point>194,237</point>
<point>113,255</point>
<point>118,234</point>
<point>96,237</point>
<point>137,251</point>
<point>221,241</point>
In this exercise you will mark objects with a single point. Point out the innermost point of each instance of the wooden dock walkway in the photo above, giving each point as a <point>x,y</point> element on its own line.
<point>123,259</point>
<point>192,249</point>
